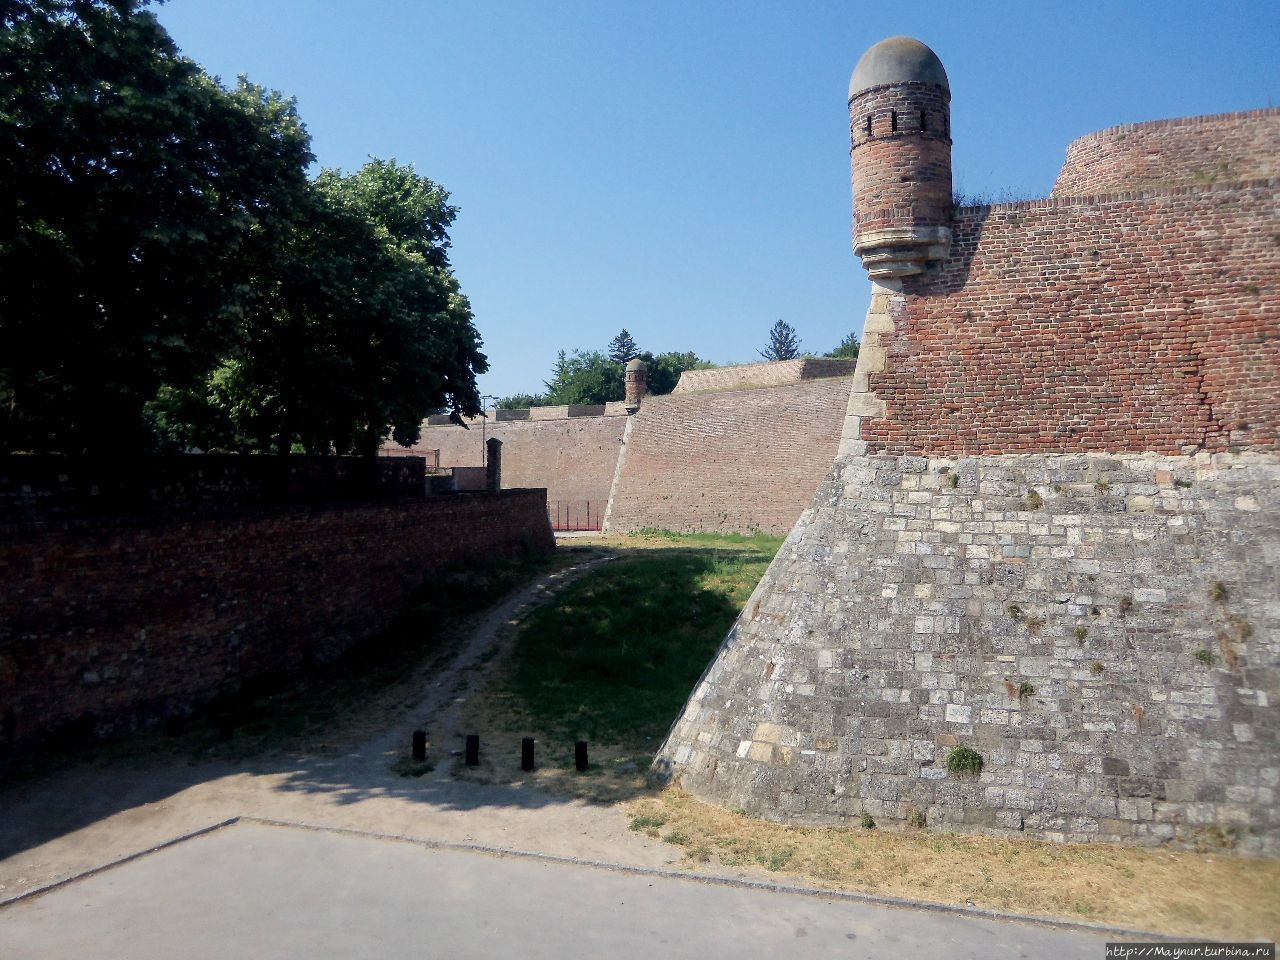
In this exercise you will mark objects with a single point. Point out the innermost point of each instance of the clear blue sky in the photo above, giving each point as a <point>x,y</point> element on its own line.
<point>681,169</point>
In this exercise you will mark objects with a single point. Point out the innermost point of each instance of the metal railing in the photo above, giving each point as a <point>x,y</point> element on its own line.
<point>575,516</point>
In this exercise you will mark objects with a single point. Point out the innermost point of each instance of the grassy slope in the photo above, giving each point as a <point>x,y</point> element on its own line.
<point>613,658</point>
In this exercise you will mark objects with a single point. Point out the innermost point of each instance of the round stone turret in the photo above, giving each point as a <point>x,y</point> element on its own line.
<point>637,383</point>
<point>900,130</point>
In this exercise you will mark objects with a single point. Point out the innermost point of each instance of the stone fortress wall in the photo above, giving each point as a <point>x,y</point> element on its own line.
<point>733,449</point>
<point>1051,533</point>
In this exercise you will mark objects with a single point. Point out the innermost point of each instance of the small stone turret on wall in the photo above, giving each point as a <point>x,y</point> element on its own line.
<point>900,131</point>
<point>637,384</point>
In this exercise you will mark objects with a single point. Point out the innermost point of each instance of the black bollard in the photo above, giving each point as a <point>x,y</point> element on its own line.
<point>419,744</point>
<point>580,755</point>
<point>473,750</point>
<point>526,753</point>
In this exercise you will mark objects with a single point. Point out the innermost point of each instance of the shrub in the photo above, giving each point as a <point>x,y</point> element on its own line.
<point>964,760</point>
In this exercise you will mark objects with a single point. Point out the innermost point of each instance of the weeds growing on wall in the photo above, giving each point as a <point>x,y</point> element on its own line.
<point>963,761</point>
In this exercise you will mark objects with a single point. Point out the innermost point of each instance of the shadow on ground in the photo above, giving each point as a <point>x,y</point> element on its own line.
<point>617,674</point>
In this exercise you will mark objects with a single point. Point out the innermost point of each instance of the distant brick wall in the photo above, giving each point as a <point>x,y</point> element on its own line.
<point>739,460</point>
<point>1189,151</point>
<point>1131,323</point>
<point>573,457</point>
<point>106,623</point>
<point>762,374</point>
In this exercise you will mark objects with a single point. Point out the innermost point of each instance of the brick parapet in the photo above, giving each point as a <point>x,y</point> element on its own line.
<point>1183,150</point>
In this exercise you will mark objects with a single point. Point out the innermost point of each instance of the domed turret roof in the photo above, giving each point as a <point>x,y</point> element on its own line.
<point>897,60</point>
<point>637,364</point>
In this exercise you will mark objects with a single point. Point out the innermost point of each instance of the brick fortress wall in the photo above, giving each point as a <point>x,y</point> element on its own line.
<point>733,448</point>
<point>1133,322</point>
<point>573,457</point>
<point>1188,151</point>
<point>104,623</point>
<point>975,570</point>
<point>737,460</point>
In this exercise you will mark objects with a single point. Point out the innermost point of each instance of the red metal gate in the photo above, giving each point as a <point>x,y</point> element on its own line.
<point>568,516</point>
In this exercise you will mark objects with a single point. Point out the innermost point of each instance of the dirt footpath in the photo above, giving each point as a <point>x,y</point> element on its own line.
<point>60,825</point>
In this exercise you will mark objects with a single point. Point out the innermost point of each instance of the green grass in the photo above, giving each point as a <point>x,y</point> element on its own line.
<point>757,539</point>
<point>614,658</point>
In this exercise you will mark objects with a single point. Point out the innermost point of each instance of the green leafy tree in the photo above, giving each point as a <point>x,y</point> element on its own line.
<point>137,197</point>
<point>623,348</point>
<point>664,369</point>
<point>356,330</point>
<point>783,342</point>
<point>521,401</point>
<point>585,377</point>
<point>847,349</point>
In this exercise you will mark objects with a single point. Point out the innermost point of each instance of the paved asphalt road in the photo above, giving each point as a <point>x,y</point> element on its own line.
<point>258,891</point>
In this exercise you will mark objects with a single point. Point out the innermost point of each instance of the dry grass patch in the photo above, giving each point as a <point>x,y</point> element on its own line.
<point>1173,892</point>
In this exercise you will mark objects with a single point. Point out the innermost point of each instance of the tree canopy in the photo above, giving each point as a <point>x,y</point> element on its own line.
<point>171,274</point>
<point>622,347</point>
<point>593,377</point>
<point>846,349</point>
<point>783,342</point>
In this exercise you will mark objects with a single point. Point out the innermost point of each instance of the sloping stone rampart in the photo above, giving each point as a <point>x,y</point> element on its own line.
<point>775,373</point>
<point>1103,630</point>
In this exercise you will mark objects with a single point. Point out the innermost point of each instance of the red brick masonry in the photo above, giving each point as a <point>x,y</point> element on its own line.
<point>1133,322</point>
<point>107,623</point>
<point>1186,151</point>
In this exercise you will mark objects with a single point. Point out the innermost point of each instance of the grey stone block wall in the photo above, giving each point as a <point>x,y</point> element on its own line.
<point>1103,630</point>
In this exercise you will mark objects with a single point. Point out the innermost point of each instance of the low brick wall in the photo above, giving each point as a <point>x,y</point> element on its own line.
<point>104,624</point>
<point>1104,631</point>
